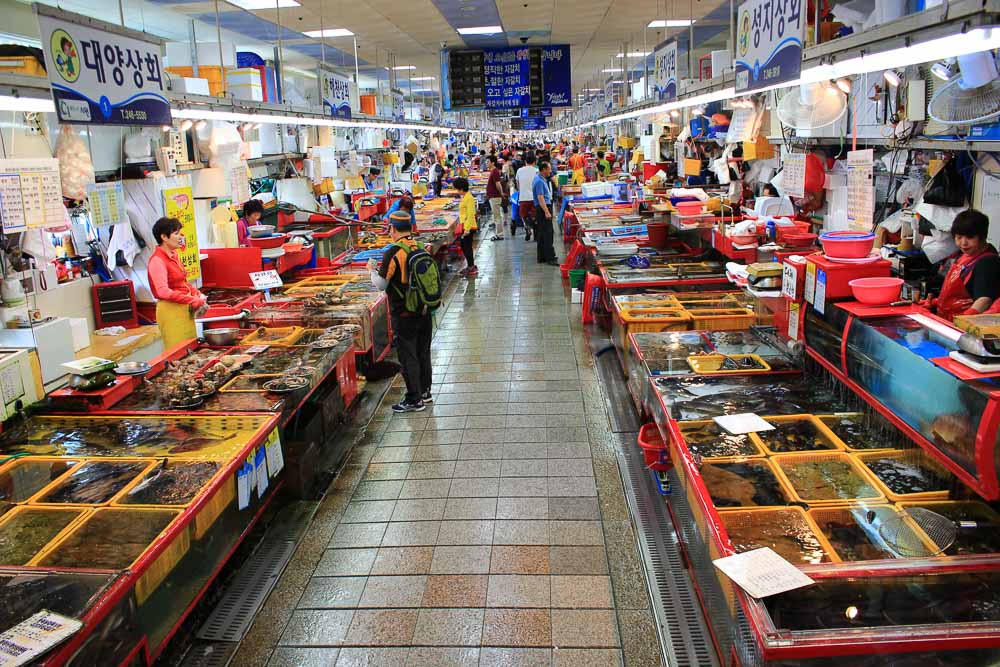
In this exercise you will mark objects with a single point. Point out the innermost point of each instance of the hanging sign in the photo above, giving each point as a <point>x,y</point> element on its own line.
<point>31,194</point>
<point>101,74</point>
<point>338,93</point>
<point>107,203</point>
<point>769,43</point>
<point>665,72</point>
<point>179,203</point>
<point>861,189</point>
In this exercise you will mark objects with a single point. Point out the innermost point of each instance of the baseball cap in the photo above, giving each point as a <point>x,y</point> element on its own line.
<point>400,219</point>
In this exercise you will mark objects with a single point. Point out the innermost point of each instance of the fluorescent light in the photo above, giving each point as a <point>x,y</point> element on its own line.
<point>634,54</point>
<point>481,30</point>
<point>329,32</point>
<point>399,68</point>
<point>421,78</point>
<point>844,84</point>
<point>612,70</point>
<point>593,90</point>
<point>891,77</point>
<point>30,104</point>
<point>670,23</point>
<point>615,83</point>
<point>263,4</point>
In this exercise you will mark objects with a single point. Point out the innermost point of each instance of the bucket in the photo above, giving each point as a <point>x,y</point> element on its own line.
<point>576,278</point>
<point>657,235</point>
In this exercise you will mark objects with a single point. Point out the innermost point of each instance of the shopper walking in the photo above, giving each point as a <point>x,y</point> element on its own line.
<point>411,310</point>
<point>495,195</point>
<point>437,177</point>
<point>467,216</point>
<point>525,181</point>
<point>541,191</point>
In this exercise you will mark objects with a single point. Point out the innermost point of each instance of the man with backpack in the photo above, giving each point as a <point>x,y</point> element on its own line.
<point>410,277</point>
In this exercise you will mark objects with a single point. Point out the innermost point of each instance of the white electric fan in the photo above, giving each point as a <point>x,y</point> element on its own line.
<point>812,106</point>
<point>972,97</point>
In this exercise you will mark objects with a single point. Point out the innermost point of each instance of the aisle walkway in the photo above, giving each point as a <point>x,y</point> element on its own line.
<point>490,529</point>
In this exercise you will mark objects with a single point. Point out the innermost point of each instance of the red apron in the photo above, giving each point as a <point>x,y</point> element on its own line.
<point>955,298</point>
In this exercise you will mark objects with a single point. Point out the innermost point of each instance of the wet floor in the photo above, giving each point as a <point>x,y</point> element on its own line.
<point>490,529</point>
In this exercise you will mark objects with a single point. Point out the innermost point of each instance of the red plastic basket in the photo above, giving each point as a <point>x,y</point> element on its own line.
<point>654,449</point>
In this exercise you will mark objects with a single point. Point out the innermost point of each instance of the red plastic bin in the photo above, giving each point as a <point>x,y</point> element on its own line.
<point>654,449</point>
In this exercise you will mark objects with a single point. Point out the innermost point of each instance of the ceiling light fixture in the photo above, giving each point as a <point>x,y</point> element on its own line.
<point>187,125</point>
<point>481,30</point>
<point>399,68</point>
<point>891,77</point>
<point>263,4</point>
<point>612,70</point>
<point>421,78</point>
<point>670,23</point>
<point>634,54</point>
<point>329,32</point>
<point>941,71</point>
<point>200,125</point>
<point>844,84</point>
<point>28,104</point>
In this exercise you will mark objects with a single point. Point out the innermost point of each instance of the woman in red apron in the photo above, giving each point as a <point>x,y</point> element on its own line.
<point>973,281</point>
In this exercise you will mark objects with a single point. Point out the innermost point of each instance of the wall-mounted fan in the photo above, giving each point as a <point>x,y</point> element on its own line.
<point>973,96</point>
<point>812,106</point>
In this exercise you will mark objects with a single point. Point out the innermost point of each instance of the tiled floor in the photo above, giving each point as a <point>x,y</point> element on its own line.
<point>490,529</point>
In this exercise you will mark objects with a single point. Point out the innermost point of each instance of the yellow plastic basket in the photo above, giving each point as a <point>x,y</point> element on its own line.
<point>242,384</point>
<point>125,496</point>
<point>913,458</point>
<point>706,439</point>
<point>711,364</point>
<point>19,530</point>
<point>779,440</point>
<point>809,477</point>
<point>836,425</point>
<point>215,506</point>
<point>721,319</point>
<point>848,521</point>
<point>653,319</point>
<point>23,477</point>
<point>724,483</point>
<point>130,468</point>
<point>775,527</point>
<point>273,336</point>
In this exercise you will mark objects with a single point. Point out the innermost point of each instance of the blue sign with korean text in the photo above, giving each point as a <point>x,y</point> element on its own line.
<point>541,112</point>
<point>534,123</point>
<point>102,76</point>
<point>769,43</point>
<point>507,77</point>
<point>557,78</point>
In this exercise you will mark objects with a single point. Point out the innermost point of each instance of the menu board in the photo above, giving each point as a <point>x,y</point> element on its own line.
<point>793,176</point>
<point>107,203</point>
<point>507,78</point>
<point>30,194</point>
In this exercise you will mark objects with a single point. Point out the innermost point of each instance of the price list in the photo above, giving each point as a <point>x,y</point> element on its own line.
<point>467,85</point>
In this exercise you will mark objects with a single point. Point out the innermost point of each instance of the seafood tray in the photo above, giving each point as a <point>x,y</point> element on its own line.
<point>171,482</point>
<point>708,440</point>
<point>787,530</point>
<point>655,319</point>
<point>908,475</point>
<point>851,429</point>
<point>246,383</point>
<point>797,434</point>
<point>195,436</point>
<point>974,541</point>
<point>853,530</point>
<point>273,336</point>
<point>744,482</point>
<point>26,531</point>
<point>824,479</point>
<point>24,477</point>
<point>720,318</point>
<point>721,364</point>
<point>95,482</point>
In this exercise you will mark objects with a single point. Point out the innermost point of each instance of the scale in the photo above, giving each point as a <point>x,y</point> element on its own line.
<point>984,365</point>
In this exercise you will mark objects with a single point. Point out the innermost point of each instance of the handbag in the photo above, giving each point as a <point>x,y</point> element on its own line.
<point>947,188</point>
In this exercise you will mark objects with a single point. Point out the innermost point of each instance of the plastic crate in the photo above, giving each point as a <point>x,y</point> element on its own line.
<point>711,364</point>
<point>848,522</point>
<point>125,496</point>
<point>18,530</point>
<point>654,449</point>
<point>652,319</point>
<point>273,336</point>
<point>915,458</point>
<point>715,475</point>
<point>850,443</point>
<point>824,440</point>
<point>857,485</point>
<point>719,319</point>
<point>695,433</point>
<point>23,477</point>
<point>774,526</point>
<point>129,469</point>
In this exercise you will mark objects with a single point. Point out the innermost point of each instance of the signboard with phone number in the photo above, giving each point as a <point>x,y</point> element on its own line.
<point>769,43</point>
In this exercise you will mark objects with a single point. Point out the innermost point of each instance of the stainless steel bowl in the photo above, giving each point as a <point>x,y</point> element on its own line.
<point>220,337</point>
<point>257,231</point>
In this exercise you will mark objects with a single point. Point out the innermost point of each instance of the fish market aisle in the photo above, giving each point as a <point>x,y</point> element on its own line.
<point>491,527</point>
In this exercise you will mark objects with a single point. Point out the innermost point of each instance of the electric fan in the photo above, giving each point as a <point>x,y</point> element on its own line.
<point>972,97</point>
<point>812,106</point>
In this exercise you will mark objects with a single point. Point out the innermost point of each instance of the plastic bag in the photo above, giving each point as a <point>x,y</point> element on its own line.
<point>76,169</point>
<point>947,188</point>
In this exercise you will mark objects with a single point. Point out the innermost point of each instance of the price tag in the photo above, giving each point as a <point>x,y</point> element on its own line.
<point>264,280</point>
<point>819,297</point>
<point>810,287</point>
<point>243,486</point>
<point>793,320</point>
<point>34,636</point>
<point>260,469</point>
<point>275,460</point>
<point>762,572</point>
<point>257,349</point>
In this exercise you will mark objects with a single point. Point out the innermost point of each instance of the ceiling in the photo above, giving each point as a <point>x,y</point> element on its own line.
<point>414,31</point>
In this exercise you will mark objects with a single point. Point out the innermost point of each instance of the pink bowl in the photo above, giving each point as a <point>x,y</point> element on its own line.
<point>688,207</point>
<point>876,291</point>
<point>847,244</point>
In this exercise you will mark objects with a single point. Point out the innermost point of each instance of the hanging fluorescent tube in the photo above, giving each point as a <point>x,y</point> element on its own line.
<point>612,70</point>
<point>670,23</point>
<point>329,32</point>
<point>421,78</point>
<point>634,54</point>
<point>481,30</point>
<point>27,104</point>
<point>400,68</point>
<point>263,4</point>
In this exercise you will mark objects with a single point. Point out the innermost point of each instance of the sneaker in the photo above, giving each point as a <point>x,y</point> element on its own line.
<point>472,271</point>
<point>426,397</point>
<point>527,237</point>
<point>463,272</point>
<point>406,406</point>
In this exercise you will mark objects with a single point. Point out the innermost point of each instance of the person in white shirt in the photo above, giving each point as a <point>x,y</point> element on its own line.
<point>525,177</point>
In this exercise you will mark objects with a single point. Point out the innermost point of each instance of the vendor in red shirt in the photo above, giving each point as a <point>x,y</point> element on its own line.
<point>252,212</point>
<point>972,284</point>
<point>178,303</point>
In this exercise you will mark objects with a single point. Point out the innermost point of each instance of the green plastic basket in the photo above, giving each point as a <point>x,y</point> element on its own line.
<point>576,278</point>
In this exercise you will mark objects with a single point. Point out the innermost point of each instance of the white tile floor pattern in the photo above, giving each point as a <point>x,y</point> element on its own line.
<point>478,532</point>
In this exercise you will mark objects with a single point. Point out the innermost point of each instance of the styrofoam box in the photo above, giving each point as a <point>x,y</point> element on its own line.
<point>246,91</point>
<point>192,85</point>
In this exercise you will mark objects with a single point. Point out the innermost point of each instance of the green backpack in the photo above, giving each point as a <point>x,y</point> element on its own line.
<point>422,292</point>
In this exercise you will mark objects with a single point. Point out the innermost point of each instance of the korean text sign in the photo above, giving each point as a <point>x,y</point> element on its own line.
<point>179,203</point>
<point>337,94</point>
<point>101,77</point>
<point>665,72</point>
<point>769,43</point>
<point>507,77</point>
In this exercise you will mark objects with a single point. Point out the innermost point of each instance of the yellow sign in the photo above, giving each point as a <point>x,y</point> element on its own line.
<point>179,203</point>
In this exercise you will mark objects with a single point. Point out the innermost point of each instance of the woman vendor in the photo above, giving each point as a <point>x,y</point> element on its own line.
<point>178,303</point>
<point>972,283</point>
<point>404,204</point>
<point>252,212</point>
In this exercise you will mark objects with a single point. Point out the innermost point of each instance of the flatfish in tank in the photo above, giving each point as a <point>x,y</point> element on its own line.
<point>172,483</point>
<point>94,482</point>
<point>822,478</point>
<point>111,539</point>
<point>703,398</point>
<point>743,484</point>
<point>800,435</point>
<point>907,474</point>
<point>27,532</point>
<point>786,531</point>
<point>709,440</point>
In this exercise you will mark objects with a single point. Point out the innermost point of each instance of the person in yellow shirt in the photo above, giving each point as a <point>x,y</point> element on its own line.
<point>467,216</point>
<point>576,163</point>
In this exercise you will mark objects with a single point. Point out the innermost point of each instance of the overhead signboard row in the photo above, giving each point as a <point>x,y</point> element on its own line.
<point>506,78</point>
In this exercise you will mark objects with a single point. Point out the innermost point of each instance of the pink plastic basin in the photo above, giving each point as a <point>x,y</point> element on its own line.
<point>847,244</point>
<point>876,291</point>
<point>688,207</point>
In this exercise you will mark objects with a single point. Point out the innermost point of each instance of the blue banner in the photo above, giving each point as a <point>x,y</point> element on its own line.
<point>540,112</point>
<point>769,43</point>
<point>533,123</point>
<point>557,77</point>
<point>508,83</point>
